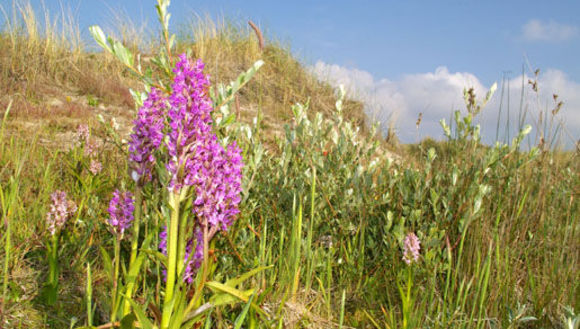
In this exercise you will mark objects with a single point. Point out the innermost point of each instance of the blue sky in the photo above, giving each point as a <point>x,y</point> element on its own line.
<point>382,49</point>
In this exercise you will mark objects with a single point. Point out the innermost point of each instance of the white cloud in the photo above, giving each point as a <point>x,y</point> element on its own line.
<point>535,30</point>
<point>436,94</point>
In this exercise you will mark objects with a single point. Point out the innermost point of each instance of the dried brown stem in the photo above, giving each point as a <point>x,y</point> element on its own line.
<point>258,34</point>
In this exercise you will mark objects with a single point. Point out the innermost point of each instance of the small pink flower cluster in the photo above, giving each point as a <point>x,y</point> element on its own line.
<point>83,134</point>
<point>411,248</point>
<point>91,148</point>
<point>60,211</point>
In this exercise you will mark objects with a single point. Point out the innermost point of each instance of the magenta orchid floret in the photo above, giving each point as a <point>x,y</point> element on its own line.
<point>147,135</point>
<point>121,210</point>
<point>411,248</point>
<point>198,160</point>
<point>60,211</point>
<point>193,261</point>
<point>193,258</point>
<point>190,122</point>
<point>219,185</point>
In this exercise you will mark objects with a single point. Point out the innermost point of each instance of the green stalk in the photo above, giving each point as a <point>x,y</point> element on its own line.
<point>116,279</point>
<point>342,303</point>
<point>172,238</point>
<point>136,224</point>
<point>134,247</point>
<point>309,256</point>
<point>204,270</point>
<point>205,265</point>
<point>295,251</point>
<point>406,299</point>
<point>447,282</point>
<point>262,254</point>
<point>51,288</point>
<point>483,296</point>
<point>181,243</point>
<point>89,293</point>
<point>409,298</point>
<point>328,282</point>
<point>7,248</point>
<point>53,262</point>
<point>7,201</point>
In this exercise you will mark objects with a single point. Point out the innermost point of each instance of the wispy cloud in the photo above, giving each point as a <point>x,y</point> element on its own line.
<point>436,94</point>
<point>536,30</point>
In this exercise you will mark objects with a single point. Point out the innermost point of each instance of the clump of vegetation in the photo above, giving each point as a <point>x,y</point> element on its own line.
<point>155,223</point>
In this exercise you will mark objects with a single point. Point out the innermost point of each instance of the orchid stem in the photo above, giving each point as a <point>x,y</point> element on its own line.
<point>134,247</point>
<point>172,239</point>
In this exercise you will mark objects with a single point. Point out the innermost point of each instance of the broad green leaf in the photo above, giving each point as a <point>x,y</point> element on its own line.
<point>236,281</point>
<point>224,96</point>
<point>128,322</point>
<point>107,262</point>
<point>242,316</point>
<point>123,54</point>
<point>100,37</point>
<point>219,299</point>
<point>216,286</point>
<point>144,321</point>
<point>161,258</point>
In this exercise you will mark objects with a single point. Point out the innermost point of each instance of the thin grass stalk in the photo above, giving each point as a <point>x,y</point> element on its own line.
<point>507,125</point>
<point>479,278</point>
<point>205,266</point>
<point>134,246</point>
<point>262,253</point>
<point>2,127</point>
<point>116,295</point>
<point>309,257</point>
<point>521,112</point>
<point>483,295</point>
<point>89,293</point>
<point>281,259</point>
<point>328,283</point>
<point>498,262</point>
<point>7,244</point>
<point>500,108</point>
<point>296,252</point>
<point>447,281</point>
<point>342,305</point>
<point>361,250</point>
<point>7,204</point>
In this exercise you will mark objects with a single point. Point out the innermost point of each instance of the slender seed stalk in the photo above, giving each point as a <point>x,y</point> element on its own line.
<point>172,239</point>
<point>309,256</point>
<point>7,249</point>
<point>89,293</point>
<point>7,201</point>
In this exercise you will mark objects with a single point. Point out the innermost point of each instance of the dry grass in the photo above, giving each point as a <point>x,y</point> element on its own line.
<point>228,49</point>
<point>43,65</point>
